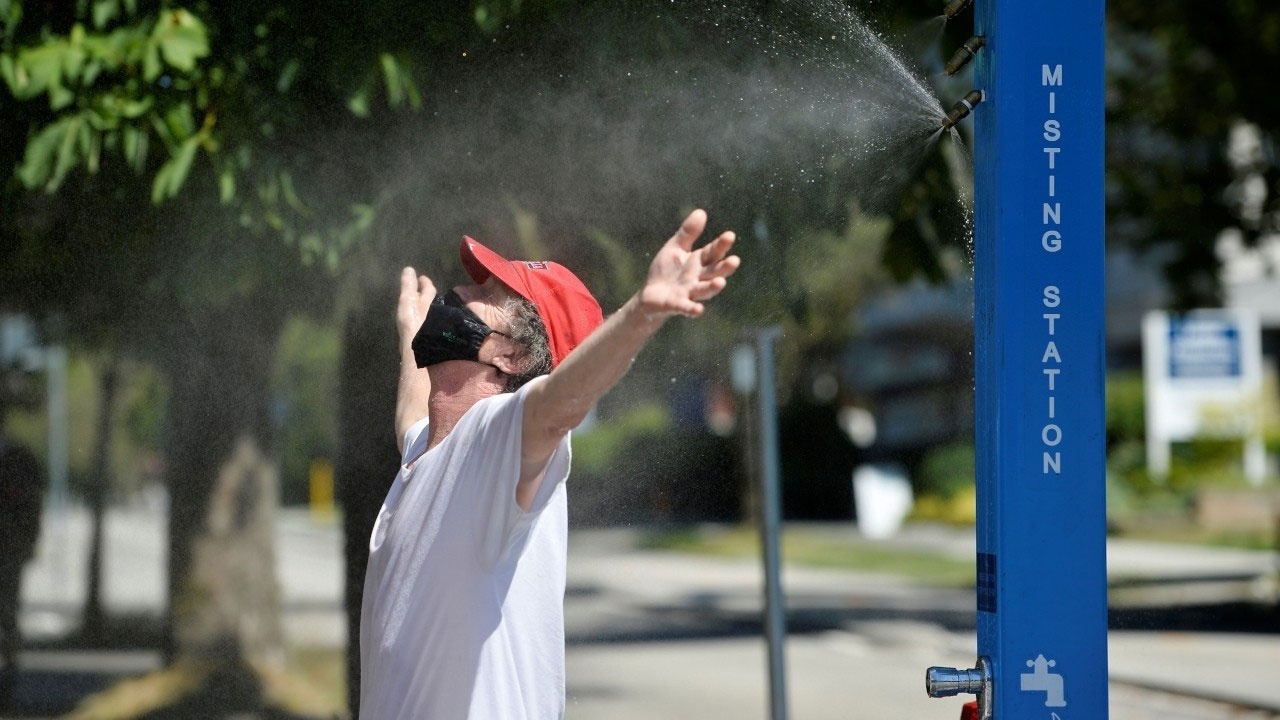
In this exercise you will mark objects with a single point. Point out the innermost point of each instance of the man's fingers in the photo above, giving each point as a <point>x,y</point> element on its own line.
<point>702,273</point>
<point>408,280</point>
<point>708,289</point>
<point>724,268</point>
<point>718,248</point>
<point>690,229</point>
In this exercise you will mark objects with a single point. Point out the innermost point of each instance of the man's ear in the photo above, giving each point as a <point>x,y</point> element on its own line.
<point>509,358</point>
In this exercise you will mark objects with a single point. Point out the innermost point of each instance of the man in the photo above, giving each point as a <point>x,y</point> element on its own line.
<point>463,611</point>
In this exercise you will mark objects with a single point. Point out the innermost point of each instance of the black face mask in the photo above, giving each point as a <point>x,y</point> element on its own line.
<point>449,332</point>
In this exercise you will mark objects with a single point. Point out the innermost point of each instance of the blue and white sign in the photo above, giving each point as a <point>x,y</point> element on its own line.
<point>1203,347</point>
<point>1203,378</point>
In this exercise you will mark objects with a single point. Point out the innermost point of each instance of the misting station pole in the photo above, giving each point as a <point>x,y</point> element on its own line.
<point>1039,357</point>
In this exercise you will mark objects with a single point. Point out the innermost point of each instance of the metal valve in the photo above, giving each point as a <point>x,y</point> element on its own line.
<point>945,682</point>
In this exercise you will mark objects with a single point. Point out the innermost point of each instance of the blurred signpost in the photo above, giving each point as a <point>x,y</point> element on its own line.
<point>1203,378</point>
<point>752,369</point>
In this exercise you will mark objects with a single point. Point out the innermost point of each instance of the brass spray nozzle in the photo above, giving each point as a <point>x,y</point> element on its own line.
<point>955,7</point>
<point>964,54</point>
<point>961,109</point>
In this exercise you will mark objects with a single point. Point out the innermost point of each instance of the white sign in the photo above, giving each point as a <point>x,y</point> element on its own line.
<point>1203,377</point>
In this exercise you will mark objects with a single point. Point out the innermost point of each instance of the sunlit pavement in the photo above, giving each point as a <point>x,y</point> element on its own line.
<point>676,636</point>
<point>653,634</point>
<point>309,567</point>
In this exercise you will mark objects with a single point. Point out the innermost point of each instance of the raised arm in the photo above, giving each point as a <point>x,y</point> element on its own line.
<point>416,294</point>
<point>680,280</point>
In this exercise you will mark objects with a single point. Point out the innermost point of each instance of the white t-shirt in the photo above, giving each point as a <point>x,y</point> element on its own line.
<point>463,611</point>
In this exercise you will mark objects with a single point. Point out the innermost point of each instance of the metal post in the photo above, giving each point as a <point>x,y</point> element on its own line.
<point>55,365</point>
<point>1039,355</point>
<point>775,619</point>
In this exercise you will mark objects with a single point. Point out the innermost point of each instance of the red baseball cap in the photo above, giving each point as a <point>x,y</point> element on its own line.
<point>564,303</point>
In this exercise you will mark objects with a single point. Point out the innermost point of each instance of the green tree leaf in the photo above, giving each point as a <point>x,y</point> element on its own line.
<point>37,161</point>
<point>173,173</point>
<point>70,149</point>
<point>358,103</point>
<point>10,17</point>
<point>391,74</point>
<point>151,62</point>
<point>227,184</point>
<point>134,142</point>
<point>104,11</point>
<point>36,70</point>
<point>182,39</point>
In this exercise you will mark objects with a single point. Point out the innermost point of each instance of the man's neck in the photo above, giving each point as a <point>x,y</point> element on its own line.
<point>453,391</point>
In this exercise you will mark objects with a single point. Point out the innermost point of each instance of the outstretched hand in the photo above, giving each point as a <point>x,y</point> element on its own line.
<point>681,278</point>
<point>416,294</point>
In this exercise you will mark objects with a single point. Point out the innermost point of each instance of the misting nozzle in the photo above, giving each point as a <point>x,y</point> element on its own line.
<point>964,54</point>
<point>962,109</point>
<point>955,7</point>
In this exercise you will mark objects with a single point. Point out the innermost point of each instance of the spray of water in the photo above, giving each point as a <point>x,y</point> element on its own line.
<point>779,99</point>
<point>712,105</point>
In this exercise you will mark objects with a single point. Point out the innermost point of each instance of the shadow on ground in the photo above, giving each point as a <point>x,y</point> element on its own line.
<point>709,616</point>
<point>119,672</point>
<point>1229,617</point>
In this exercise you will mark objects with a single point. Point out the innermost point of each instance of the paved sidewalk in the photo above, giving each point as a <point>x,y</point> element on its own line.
<point>668,635</point>
<point>655,634</point>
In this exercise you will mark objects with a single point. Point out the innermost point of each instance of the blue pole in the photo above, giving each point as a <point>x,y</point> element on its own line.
<point>1039,354</point>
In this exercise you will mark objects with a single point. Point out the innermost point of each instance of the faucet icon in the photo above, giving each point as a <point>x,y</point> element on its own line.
<point>1044,681</point>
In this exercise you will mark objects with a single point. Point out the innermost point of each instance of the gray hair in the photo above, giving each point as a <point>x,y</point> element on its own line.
<point>527,330</point>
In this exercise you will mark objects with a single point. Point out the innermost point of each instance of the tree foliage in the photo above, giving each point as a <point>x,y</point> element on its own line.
<point>1181,77</point>
<point>114,79</point>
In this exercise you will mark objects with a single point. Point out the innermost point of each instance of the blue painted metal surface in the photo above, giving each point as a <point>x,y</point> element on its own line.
<point>1040,357</point>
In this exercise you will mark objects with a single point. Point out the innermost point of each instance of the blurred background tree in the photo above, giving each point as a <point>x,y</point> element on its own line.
<point>1181,79</point>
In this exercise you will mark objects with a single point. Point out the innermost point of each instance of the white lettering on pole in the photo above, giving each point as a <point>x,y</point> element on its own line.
<point>1053,374</point>
<point>1052,242</point>
<point>1052,461</point>
<point>1051,434</point>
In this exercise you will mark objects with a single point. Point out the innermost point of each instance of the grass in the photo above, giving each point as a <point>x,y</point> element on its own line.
<point>810,549</point>
<point>1194,535</point>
